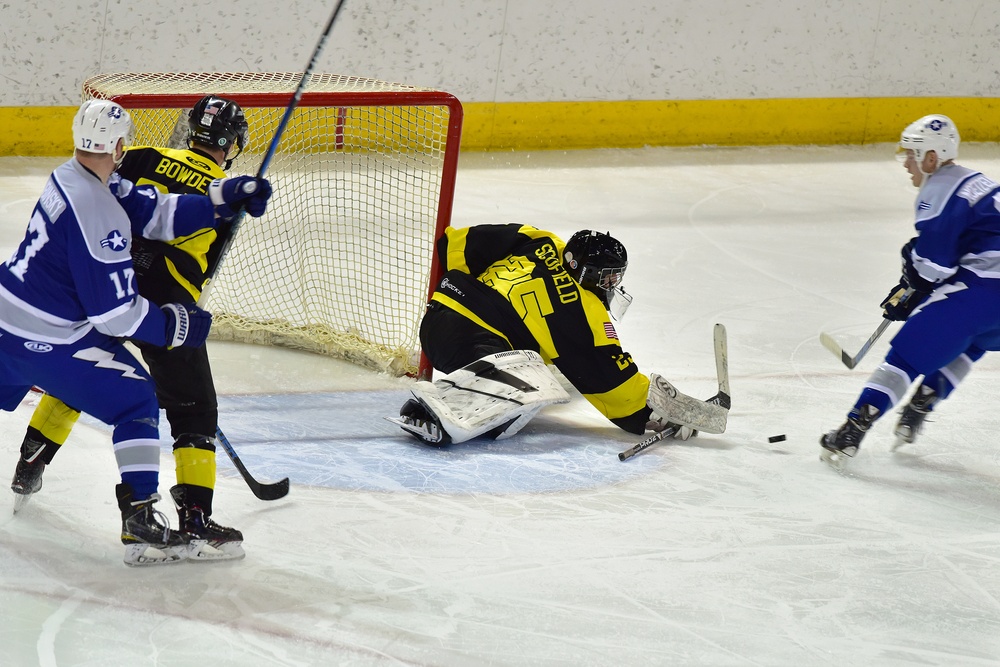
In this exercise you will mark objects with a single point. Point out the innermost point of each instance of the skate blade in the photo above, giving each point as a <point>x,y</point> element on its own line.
<point>143,555</point>
<point>835,460</point>
<point>204,551</point>
<point>903,437</point>
<point>20,500</point>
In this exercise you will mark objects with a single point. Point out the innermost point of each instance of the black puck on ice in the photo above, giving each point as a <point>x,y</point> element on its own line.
<point>777,438</point>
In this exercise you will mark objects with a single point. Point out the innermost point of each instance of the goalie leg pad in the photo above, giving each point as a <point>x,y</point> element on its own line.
<point>670,405</point>
<point>505,390</point>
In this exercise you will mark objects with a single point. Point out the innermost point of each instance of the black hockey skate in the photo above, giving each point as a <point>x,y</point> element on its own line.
<point>206,539</point>
<point>143,528</point>
<point>843,443</point>
<point>914,414</point>
<point>418,421</point>
<point>28,473</point>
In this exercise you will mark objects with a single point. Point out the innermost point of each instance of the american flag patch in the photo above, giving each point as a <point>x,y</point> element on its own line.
<point>609,331</point>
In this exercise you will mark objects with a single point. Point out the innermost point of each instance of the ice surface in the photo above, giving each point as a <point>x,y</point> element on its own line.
<point>545,549</point>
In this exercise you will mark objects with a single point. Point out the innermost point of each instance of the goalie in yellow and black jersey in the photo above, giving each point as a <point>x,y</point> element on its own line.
<point>169,272</point>
<point>513,299</point>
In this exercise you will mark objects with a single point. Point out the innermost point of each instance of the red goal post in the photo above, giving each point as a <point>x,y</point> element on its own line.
<point>364,176</point>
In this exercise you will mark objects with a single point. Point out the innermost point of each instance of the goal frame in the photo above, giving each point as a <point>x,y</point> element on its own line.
<point>341,100</point>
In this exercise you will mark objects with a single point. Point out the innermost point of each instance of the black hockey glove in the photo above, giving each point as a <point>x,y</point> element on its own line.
<point>902,301</point>
<point>910,275</point>
<point>232,194</point>
<point>187,325</point>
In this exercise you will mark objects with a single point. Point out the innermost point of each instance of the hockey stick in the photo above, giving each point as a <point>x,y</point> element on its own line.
<point>722,398</point>
<point>849,361</point>
<point>273,491</point>
<point>296,97</point>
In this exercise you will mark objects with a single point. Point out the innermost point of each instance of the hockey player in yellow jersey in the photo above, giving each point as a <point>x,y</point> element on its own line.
<point>514,299</point>
<point>168,272</point>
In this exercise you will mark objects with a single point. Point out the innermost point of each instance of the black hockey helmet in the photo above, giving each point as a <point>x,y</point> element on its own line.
<point>217,122</point>
<point>597,261</point>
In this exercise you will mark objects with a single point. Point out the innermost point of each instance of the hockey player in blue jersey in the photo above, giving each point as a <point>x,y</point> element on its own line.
<point>949,294</point>
<point>68,298</point>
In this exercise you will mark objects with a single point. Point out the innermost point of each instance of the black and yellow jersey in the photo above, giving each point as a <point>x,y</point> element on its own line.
<point>510,280</point>
<point>184,261</point>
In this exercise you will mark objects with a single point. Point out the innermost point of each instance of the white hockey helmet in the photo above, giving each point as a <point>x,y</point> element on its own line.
<point>931,133</point>
<point>98,126</point>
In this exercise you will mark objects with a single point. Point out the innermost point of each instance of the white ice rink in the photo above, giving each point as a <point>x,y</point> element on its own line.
<point>545,549</point>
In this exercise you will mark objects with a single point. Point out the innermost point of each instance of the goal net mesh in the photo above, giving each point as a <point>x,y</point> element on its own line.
<point>363,179</point>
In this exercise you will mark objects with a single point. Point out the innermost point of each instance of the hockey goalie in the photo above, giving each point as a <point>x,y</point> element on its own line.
<point>513,300</point>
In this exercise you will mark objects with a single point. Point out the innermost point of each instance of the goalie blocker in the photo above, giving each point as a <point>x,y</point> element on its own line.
<point>674,407</point>
<point>500,393</point>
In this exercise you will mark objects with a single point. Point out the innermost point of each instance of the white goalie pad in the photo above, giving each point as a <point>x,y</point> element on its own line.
<point>670,405</point>
<point>503,390</point>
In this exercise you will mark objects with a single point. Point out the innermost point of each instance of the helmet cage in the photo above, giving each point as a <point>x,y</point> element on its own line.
<point>598,262</point>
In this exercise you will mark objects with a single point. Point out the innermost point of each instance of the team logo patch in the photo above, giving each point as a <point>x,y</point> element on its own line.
<point>935,124</point>
<point>609,331</point>
<point>35,346</point>
<point>115,241</point>
<point>115,112</point>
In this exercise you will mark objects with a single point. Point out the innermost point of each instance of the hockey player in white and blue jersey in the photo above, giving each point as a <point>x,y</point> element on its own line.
<point>68,298</point>
<point>949,294</point>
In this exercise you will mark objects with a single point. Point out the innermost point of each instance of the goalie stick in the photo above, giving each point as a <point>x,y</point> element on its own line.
<point>722,398</point>
<point>296,97</point>
<point>271,491</point>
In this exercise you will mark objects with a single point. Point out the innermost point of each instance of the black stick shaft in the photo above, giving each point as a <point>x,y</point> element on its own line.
<point>273,491</point>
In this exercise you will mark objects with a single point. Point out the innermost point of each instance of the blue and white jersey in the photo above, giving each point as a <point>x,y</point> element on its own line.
<point>73,271</point>
<point>958,225</point>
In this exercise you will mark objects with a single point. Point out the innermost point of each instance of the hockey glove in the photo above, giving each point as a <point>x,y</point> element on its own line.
<point>232,194</point>
<point>902,301</point>
<point>910,274</point>
<point>682,432</point>
<point>187,325</point>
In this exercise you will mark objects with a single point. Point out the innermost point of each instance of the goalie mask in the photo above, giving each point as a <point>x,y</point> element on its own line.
<point>598,261</point>
<point>219,123</point>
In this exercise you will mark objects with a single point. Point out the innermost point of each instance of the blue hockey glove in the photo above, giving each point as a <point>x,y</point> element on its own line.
<point>232,194</point>
<point>187,325</point>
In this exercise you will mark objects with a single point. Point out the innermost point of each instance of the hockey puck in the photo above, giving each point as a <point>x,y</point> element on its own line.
<point>777,438</point>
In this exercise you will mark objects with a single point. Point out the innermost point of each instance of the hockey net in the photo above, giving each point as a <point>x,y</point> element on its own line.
<point>343,261</point>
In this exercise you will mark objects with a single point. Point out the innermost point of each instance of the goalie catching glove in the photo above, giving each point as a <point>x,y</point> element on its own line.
<point>230,195</point>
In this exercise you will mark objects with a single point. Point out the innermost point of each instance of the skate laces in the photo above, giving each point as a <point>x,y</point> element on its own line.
<point>159,518</point>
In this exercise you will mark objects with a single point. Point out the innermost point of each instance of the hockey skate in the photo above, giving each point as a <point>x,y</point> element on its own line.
<point>417,420</point>
<point>913,416</point>
<point>843,443</point>
<point>28,473</point>
<point>205,539</point>
<point>145,528</point>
